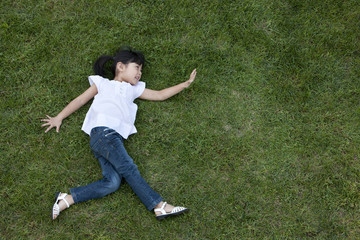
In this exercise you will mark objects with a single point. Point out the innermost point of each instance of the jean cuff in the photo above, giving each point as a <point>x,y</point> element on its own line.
<point>74,196</point>
<point>156,202</point>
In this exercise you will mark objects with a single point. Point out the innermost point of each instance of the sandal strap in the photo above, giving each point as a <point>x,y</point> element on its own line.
<point>63,198</point>
<point>177,209</point>
<point>162,210</point>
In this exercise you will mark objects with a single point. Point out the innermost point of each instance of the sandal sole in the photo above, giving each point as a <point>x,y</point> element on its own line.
<point>56,199</point>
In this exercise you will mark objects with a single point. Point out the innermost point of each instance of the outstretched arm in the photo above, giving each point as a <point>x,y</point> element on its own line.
<point>69,109</point>
<point>166,93</point>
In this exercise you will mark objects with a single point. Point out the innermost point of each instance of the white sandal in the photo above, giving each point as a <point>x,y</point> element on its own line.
<point>175,211</point>
<point>56,208</point>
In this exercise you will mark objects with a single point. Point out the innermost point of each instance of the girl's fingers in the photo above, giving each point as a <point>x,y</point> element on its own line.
<point>45,124</point>
<point>193,74</point>
<point>49,123</point>
<point>47,129</point>
<point>46,119</point>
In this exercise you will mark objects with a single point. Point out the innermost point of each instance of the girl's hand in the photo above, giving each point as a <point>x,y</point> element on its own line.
<point>191,79</point>
<point>51,122</point>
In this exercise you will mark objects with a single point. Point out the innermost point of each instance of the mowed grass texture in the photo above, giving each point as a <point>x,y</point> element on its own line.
<point>263,145</point>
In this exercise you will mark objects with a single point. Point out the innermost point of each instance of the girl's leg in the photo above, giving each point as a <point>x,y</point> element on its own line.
<point>109,144</point>
<point>110,183</point>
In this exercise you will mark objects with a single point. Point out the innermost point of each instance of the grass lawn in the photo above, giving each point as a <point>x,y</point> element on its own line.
<point>263,145</point>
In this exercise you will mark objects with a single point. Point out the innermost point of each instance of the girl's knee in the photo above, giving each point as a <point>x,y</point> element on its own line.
<point>113,183</point>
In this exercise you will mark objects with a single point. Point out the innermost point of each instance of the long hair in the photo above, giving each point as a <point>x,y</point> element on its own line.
<point>125,55</point>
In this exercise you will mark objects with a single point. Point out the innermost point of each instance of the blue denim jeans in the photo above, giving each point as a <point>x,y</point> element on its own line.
<point>116,164</point>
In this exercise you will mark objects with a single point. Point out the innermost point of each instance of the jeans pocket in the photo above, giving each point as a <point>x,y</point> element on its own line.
<point>100,147</point>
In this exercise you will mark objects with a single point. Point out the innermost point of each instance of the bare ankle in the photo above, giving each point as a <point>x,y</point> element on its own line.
<point>159,205</point>
<point>69,199</point>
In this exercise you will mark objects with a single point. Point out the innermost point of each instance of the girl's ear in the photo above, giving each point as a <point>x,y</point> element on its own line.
<point>120,67</point>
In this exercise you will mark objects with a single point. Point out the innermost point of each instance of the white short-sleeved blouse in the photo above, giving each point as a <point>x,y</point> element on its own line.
<point>113,106</point>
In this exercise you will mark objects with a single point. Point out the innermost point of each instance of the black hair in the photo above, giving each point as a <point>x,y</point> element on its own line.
<point>125,55</point>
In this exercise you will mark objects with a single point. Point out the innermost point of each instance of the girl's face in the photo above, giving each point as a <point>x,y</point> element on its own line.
<point>130,73</point>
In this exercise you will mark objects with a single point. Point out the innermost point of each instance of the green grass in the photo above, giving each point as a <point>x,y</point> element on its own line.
<point>264,145</point>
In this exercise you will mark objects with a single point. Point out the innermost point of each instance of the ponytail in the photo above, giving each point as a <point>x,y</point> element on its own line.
<point>99,66</point>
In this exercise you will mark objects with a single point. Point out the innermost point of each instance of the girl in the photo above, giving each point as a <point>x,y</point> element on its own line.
<point>109,121</point>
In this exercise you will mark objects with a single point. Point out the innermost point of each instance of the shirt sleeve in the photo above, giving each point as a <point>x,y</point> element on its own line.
<point>138,89</point>
<point>98,80</point>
